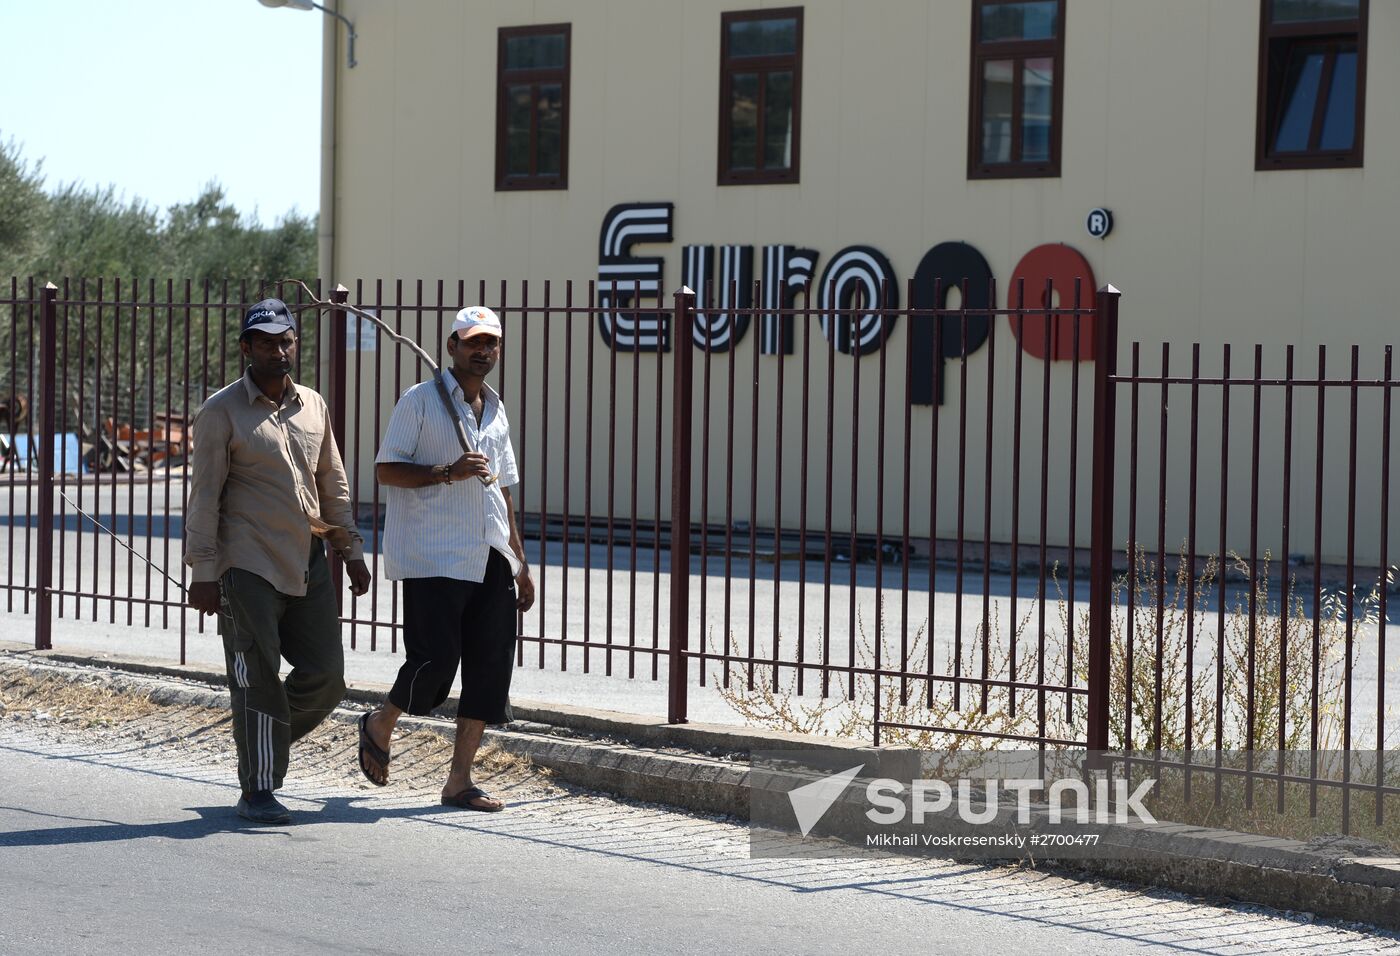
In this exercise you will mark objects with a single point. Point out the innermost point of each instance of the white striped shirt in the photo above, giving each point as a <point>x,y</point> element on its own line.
<point>446,531</point>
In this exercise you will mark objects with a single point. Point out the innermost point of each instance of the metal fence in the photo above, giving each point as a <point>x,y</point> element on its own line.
<point>1253,637</point>
<point>969,535</point>
<point>102,381</point>
<point>811,493</point>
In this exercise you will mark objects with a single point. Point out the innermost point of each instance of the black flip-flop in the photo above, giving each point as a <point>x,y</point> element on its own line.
<point>375,753</point>
<point>463,801</point>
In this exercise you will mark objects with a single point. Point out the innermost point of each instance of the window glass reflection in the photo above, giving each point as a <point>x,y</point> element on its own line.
<point>743,121</point>
<point>541,51</point>
<point>1020,21</point>
<point>763,37</point>
<point>549,106</point>
<point>997,92</point>
<point>518,109</point>
<point>777,121</point>
<point>1037,108</point>
<point>1299,100</point>
<point>1292,11</point>
<point>1339,125</point>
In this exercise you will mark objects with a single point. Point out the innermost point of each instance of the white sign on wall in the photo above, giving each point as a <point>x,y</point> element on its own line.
<point>361,335</point>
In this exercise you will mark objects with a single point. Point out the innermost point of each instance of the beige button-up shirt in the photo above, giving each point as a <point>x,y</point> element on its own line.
<point>265,478</point>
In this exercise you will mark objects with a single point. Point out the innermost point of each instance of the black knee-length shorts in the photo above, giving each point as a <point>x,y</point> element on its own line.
<point>447,622</point>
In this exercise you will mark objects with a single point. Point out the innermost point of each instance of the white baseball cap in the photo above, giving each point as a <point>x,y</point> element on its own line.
<point>476,320</point>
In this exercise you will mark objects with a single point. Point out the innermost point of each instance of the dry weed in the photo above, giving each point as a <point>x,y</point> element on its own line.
<point>1252,689</point>
<point>113,714</point>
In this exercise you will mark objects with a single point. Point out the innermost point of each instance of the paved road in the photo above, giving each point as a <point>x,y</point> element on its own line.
<point>112,848</point>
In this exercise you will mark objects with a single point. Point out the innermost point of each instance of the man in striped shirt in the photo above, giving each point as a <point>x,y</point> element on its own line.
<point>450,535</point>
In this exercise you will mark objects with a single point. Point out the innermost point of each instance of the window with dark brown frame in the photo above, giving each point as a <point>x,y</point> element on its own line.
<point>760,96</point>
<point>532,107</point>
<point>1017,88</point>
<point>1312,84</point>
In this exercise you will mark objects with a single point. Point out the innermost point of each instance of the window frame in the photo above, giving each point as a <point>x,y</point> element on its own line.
<point>1017,50</point>
<point>725,176</point>
<point>504,79</point>
<point>1268,110</point>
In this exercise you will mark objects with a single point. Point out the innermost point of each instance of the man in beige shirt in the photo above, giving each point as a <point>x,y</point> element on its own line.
<point>267,492</point>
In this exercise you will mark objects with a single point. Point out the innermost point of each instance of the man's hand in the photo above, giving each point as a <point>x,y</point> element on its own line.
<point>471,464</point>
<point>524,591</point>
<point>360,577</point>
<point>203,596</point>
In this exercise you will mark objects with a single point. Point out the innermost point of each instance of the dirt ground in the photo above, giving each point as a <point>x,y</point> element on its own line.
<point>113,712</point>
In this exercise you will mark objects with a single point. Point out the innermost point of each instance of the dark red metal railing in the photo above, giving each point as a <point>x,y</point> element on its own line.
<point>651,565</point>
<point>111,372</point>
<point>1322,612</point>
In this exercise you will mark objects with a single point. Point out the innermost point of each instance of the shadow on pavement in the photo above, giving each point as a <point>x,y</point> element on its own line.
<point>212,820</point>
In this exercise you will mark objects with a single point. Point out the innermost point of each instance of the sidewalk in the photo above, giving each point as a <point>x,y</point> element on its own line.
<point>704,768</point>
<point>565,871</point>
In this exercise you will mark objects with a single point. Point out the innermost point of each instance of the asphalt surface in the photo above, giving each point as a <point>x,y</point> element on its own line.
<point>126,847</point>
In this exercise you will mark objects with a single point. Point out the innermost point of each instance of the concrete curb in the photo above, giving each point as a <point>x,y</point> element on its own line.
<point>704,768</point>
<point>715,739</point>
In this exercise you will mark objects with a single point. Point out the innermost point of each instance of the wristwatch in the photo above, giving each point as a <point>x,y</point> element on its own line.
<point>443,474</point>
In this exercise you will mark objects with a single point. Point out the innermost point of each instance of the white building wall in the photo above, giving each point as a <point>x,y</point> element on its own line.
<point>1159,126</point>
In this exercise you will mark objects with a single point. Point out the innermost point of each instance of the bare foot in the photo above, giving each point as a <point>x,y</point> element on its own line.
<point>379,733</point>
<point>380,730</point>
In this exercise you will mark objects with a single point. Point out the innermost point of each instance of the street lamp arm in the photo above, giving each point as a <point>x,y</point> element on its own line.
<point>349,29</point>
<point>312,5</point>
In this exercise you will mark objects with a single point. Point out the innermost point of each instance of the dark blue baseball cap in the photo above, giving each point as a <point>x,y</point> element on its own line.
<point>270,315</point>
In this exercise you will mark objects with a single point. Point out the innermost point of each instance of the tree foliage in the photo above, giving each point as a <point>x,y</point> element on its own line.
<point>21,205</point>
<point>161,262</point>
<point>80,232</point>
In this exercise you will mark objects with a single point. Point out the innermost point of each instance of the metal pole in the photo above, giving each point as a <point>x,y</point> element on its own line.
<point>338,366</point>
<point>680,506</point>
<point>1101,533</point>
<point>48,387</point>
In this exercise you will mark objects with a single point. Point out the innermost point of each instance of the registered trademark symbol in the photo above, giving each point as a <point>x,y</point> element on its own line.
<point>1099,222</point>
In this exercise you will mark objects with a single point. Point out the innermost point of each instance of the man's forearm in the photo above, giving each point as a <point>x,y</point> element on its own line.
<point>402,474</point>
<point>517,544</point>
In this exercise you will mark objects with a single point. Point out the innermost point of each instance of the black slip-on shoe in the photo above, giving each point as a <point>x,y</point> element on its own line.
<point>261,806</point>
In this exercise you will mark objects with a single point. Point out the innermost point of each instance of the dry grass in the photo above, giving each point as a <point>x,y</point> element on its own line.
<point>1251,690</point>
<point>938,720</point>
<point>113,713</point>
<point>41,698</point>
<point>1176,699</point>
